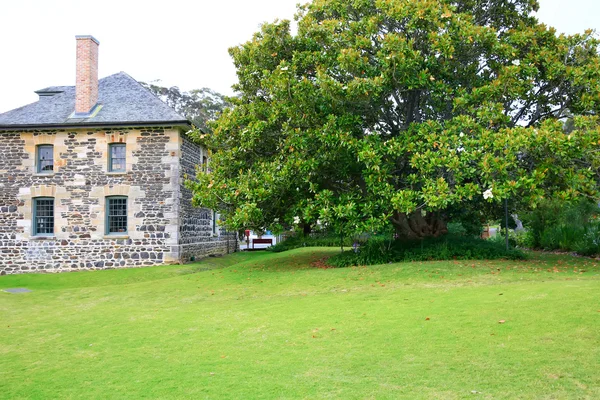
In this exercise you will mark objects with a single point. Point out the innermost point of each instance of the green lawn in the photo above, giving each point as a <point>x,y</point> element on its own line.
<point>262,325</point>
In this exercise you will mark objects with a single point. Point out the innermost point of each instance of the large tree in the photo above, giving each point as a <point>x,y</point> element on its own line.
<point>200,106</point>
<point>407,113</point>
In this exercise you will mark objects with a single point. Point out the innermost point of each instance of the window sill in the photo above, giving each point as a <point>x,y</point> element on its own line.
<point>43,174</point>
<point>116,236</point>
<point>42,238</point>
<point>113,173</point>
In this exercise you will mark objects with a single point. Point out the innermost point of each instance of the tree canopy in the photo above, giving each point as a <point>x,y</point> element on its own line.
<point>406,113</point>
<point>200,106</point>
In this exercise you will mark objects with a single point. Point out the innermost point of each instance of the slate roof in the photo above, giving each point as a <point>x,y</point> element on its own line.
<point>122,99</point>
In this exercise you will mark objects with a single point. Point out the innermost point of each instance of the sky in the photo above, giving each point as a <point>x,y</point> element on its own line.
<point>179,42</point>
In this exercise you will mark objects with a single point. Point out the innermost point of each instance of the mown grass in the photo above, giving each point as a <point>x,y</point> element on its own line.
<point>264,325</point>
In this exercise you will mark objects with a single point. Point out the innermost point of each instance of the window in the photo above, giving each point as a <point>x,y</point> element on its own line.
<point>216,217</point>
<point>116,215</point>
<point>43,216</point>
<point>204,164</point>
<point>116,157</point>
<point>45,159</point>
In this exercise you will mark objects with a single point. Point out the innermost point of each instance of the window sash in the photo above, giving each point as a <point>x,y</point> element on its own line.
<point>116,215</point>
<point>43,217</point>
<point>45,159</point>
<point>117,158</point>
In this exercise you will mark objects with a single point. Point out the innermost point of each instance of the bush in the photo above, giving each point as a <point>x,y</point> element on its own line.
<point>465,228</point>
<point>297,241</point>
<point>449,247</point>
<point>457,228</point>
<point>589,243</point>
<point>562,226</point>
<point>523,239</point>
<point>500,238</point>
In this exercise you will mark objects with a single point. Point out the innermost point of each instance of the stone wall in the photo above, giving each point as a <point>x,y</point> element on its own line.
<point>200,234</point>
<point>80,183</point>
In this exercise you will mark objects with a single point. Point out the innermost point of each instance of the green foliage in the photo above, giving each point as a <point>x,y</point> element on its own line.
<point>201,106</point>
<point>457,228</point>
<point>465,227</point>
<point>589,243</point>
<point>404,113</point>
<point>512,224</point>
<point>522,239</point>
<point>449,247</point>
<point>298,241</point>
<point>500,238</point>
<point>558,225</point>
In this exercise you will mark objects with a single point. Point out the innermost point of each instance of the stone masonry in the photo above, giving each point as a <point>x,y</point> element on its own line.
<point>162,225</point>
<point>199,232</point>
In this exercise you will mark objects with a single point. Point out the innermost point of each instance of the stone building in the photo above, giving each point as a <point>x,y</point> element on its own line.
<point>92,176</point>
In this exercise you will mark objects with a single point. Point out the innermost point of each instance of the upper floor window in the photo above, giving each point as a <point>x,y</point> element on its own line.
<point>45,159</point>
<point>43,216</point>
<point>116,215</point>
<point>116,157</point>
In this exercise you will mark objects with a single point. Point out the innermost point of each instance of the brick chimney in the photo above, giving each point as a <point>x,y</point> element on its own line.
<point>86,85</point>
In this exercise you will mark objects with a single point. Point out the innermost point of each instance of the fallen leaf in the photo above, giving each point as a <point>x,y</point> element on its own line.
<point>501,321</point>
<point>427,319</point>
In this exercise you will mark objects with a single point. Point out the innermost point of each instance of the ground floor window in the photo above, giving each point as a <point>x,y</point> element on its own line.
<point>215,218</point>
<point>43,216</point>
<point>116,215</point>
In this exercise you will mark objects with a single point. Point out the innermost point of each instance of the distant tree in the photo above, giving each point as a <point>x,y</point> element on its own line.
<point>201,106</point>
<point>407,113</point>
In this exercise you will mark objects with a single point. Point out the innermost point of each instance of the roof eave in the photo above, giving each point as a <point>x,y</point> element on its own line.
<point>132,124</point>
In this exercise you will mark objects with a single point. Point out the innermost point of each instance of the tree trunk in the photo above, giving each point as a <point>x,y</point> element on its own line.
<point>416,226</point>
<point>306,228</point>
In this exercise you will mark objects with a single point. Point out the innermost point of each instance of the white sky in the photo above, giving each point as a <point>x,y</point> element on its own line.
<point>180,42</point>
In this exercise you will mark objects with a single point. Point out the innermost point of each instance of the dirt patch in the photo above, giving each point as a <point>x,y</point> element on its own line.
<point>321,263</point>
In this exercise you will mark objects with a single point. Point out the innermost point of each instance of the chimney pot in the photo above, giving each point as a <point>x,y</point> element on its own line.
<point>86,85</point>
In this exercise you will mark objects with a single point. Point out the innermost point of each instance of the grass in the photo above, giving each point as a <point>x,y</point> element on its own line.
<point>264,325</point>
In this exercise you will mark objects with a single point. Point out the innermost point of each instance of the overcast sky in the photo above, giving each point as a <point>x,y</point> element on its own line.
<point>180,42</point>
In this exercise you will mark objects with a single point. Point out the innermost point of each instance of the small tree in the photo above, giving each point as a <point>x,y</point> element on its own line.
<point>407,113</point>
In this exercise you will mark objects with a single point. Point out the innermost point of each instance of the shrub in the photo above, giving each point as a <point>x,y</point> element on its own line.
<point>457,228</point>
<point>500,238</point>
<point>563,226</point>
<point>523,239</point>
<point>589,244</point>
<point>465,227</point>
<point>381,251</point>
